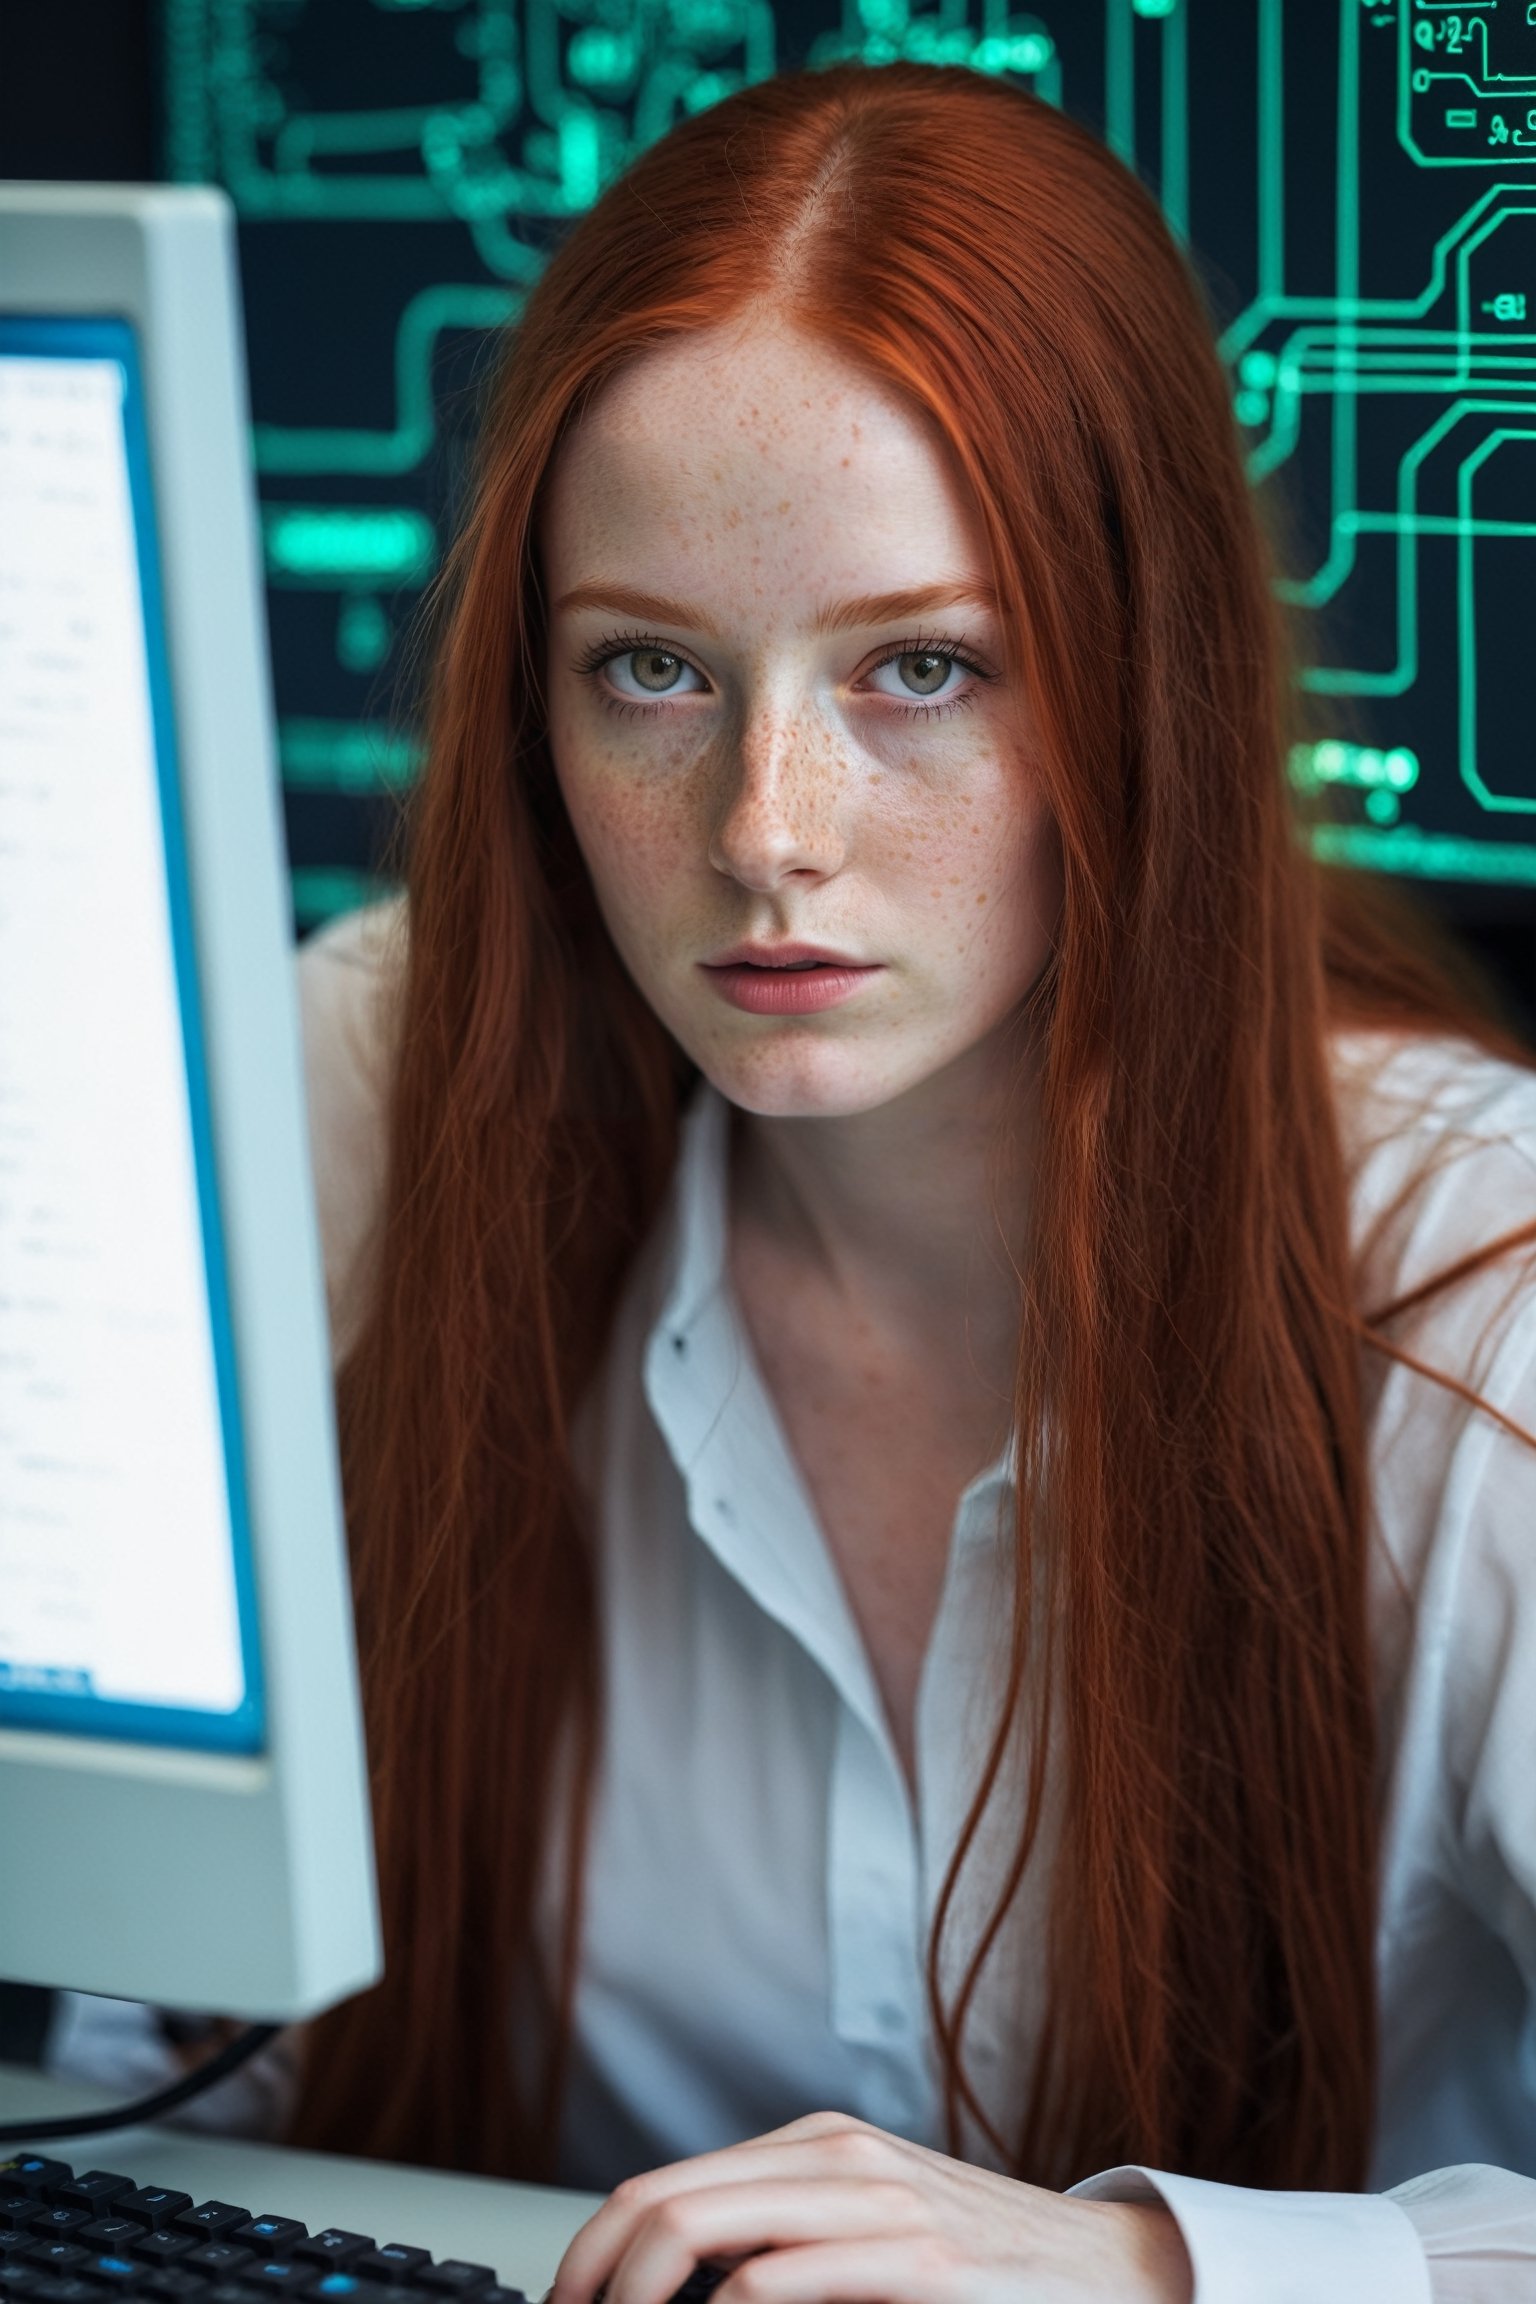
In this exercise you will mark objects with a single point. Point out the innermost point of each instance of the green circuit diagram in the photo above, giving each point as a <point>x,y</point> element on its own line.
<point>1365,170</point>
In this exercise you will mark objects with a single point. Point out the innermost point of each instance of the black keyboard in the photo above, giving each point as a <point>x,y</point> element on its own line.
<point>68,2239</point>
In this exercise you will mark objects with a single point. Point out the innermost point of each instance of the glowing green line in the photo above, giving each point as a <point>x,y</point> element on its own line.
<point>1434,524</point>
<point>1425,855</point>
<point>375,545</point>
<point>188,147</point>
<point>345,756</point>
<point>1325,582</point>
<point>1120,80</point>
<point>1328,680</point>
<point>1271,109</point>
<point>1174,157</point>
<point>1507,803</point>
<point>308,133</point>
<point>1256,317</point>
<point>424,319</point>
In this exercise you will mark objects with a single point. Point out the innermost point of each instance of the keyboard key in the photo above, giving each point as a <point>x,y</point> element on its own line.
<point>30,2174</point>
<point>17,2210</point>
<point>112,2233</point>
<point>110,2270</point>
<point>218,2259</point>
<point>58,2255</point>
<point>228,2292</point>
<point>213,2219</point>
<point>172,2283</point>
<point>68,2290</point>
<point>333,2248</point>
<point>53,2223</point>
<point>151,2204</point>
<point>95,2189</point>
<point>162,2247</point>
<point>273,2235</point>
<point>391,2263</point>
<point>276,2272</point>
<point>451,2278</point>
<point>14,2237</point>
<point>500,2295</point>
<point>18,2278</point>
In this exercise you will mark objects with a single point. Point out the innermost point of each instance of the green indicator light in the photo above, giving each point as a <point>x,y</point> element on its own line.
<point>1382,806</point>
<point>1360,766</point>
<point>362,634</point>
<point>1258,371</point>
<point>1016,52</point>
<point>579,159</point>
<point>345,756</point>
<point>1154,7</point>
<point>330,544</point>
<point>602,60</point>
<point>1251,407</point>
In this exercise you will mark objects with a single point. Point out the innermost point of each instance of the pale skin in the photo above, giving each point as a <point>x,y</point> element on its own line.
<point>755,739</point>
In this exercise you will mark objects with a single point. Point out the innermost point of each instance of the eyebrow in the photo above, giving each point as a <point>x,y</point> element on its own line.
<point>839,616</point>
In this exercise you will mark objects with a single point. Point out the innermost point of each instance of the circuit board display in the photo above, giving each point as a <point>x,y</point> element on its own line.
<point>1355,178</point>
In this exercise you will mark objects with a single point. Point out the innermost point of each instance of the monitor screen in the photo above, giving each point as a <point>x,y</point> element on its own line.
<point>126,1596</point>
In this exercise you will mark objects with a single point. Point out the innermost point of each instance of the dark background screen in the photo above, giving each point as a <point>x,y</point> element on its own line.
<point>1356,180</point>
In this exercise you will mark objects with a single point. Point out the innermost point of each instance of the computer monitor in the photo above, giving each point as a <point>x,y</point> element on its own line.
<point>183,1796</point>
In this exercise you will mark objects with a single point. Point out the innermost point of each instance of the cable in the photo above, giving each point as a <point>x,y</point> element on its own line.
<point>239,2051</point>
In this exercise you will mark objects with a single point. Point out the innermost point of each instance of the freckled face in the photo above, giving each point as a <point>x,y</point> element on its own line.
<point>738,766</point>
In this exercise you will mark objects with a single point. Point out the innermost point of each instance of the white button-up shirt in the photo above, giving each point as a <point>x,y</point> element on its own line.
<point>762,1884</point>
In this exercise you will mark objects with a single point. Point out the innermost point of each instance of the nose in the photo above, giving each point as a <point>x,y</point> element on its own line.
<point>778,809</point>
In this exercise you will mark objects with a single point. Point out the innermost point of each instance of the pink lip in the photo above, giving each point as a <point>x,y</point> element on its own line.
<point>781,956</point>
<point>787,991</point>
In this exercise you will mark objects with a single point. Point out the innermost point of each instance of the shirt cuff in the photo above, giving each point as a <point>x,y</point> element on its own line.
<point>1281,2247</point>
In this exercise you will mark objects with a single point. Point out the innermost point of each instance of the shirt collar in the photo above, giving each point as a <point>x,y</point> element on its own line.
<point>698,1274</point>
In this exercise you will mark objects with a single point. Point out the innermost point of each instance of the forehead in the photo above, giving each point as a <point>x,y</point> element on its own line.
<point>763,465</point>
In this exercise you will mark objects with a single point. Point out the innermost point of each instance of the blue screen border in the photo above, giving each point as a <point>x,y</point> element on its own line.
<point>242,1730</point>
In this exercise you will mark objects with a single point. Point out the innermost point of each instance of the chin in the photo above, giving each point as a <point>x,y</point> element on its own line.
<point>787,1083</point>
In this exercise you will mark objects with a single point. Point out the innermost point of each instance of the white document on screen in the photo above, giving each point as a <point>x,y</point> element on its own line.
<point>116,1565</point>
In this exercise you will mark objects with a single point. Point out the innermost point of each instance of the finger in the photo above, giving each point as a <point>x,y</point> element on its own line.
<point>887,2271</point>
<point>732,2220</point>
<point>850,2150</point>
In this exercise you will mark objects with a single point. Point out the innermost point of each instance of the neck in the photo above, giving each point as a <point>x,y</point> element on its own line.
<point>911,1214</point>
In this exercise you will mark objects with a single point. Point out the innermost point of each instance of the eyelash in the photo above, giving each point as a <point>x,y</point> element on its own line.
<point>629,643</point>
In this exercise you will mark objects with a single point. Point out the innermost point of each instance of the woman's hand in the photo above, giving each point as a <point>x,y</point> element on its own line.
<point>832,2211</point>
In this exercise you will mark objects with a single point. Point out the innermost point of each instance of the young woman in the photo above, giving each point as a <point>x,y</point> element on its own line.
<point>945,1544</point>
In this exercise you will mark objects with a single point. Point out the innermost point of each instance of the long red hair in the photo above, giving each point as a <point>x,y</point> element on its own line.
<point>1190,1333</point>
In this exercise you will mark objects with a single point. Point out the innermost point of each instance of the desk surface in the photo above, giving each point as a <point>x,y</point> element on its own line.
<point>521,2229</point>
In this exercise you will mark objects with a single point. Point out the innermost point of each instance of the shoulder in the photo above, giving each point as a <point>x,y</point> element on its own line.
<point>347,967</point>
<point>1440,1142</point>
<point>349,979</point>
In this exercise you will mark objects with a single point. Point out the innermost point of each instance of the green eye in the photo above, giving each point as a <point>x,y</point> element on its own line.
<point>656,669</point>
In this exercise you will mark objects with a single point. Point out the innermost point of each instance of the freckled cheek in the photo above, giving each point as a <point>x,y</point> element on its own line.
<point>977,867</point>
<point>634,821</point>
